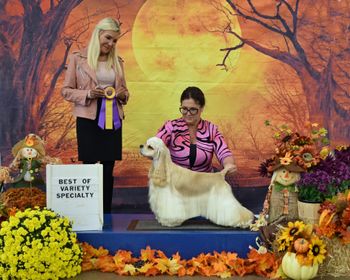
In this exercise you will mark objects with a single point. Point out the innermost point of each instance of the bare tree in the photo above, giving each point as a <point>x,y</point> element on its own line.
<point>230,132</point>
<point>26,44</point>
<point>309,43</point>
<point>285,102</point>
<point>251,127</point>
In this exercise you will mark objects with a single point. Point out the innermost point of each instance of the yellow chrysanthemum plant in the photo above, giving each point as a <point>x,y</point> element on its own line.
<point>302,250</point>
<point>38,244</point>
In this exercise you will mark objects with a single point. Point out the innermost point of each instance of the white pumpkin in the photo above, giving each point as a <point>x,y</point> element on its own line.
<point>293,269</point>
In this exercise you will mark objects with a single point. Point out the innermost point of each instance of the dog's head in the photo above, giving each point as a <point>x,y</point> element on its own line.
<point>152,148</point>
<point>156,150</point>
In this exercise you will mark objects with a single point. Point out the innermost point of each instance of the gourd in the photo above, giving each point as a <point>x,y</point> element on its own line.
<point>293,269</point>
<point>301,245</point>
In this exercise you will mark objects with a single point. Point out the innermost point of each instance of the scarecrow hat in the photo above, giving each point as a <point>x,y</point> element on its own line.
<point>30,141</point>
<point>292,167</point>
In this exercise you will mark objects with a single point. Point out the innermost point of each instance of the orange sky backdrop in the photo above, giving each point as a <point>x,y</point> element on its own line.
<point>169,46</point>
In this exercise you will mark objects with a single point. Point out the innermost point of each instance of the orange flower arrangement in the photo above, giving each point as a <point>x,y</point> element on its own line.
<point>335,217</point>
<point>294,149</point>
<point>154,262</point>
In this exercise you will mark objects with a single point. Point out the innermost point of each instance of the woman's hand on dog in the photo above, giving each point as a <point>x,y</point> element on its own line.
<point>232,168</point>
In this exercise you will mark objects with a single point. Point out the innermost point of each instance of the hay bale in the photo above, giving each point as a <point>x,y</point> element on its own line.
<point>337,262</point>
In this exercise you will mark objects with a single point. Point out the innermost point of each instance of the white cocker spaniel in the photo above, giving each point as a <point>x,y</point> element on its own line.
<point>177,194</point>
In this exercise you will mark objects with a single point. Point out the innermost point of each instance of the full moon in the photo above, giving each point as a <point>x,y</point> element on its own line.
<point>177,43</point>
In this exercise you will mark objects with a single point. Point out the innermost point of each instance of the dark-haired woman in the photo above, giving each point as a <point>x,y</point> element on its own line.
<point>193,141</point>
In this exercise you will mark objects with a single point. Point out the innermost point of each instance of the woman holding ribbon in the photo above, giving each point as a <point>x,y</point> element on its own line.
<point>95,83</point>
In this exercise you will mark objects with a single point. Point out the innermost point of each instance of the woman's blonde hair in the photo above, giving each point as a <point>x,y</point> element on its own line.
<point>94,45</point>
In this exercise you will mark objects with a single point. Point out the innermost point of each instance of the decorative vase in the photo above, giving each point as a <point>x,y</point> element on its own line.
<point>308,211</point>
<point>294,270</point>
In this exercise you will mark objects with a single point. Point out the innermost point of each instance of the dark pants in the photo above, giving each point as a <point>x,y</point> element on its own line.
<point>107,184</point>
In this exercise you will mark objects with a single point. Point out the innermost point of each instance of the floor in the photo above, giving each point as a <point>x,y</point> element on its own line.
<point>95,275</point>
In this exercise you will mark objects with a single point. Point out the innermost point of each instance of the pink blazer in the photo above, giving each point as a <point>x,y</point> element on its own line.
<point>80,78</point>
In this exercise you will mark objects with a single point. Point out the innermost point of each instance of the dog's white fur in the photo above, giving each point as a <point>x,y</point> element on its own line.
<point>177,194</point>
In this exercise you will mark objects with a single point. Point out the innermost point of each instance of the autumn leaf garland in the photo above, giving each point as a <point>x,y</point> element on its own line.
<point>154,262</point>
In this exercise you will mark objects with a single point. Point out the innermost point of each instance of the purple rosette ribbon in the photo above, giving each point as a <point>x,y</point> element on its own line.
<point>102,115</point>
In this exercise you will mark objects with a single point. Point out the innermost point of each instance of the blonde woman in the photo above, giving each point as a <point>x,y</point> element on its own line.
<point>90,72</point>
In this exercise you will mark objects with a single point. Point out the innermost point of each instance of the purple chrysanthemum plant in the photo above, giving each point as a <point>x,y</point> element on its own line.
<point>329,177</point>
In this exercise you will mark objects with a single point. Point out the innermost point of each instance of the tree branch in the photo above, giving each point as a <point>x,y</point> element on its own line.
<point>50,92</point>
<point>288,33</point>
<point>295,17</point>
<point>228,51</point>
<point>250,18</point>
<point>255,11</point>
<point>279,55</point>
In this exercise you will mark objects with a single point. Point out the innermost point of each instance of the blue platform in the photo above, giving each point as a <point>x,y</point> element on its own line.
<point>189,243</point>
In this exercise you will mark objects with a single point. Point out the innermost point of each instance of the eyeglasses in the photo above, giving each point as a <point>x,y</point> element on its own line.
<point>184,110</point>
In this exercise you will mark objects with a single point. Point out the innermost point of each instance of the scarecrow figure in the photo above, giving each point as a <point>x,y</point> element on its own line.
<point>28,155</point>
<point>282,196</point>
<point>294,153</point>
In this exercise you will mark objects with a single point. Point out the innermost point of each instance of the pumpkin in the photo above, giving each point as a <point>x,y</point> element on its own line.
<point>301,245</point>
<point>294,270</point>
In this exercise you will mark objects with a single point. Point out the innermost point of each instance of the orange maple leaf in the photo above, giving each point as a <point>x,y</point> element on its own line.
<point>160,254</point>
<point>238,268</point>
<point>148,269</point>
<point>152,272</point>
<point>147,254</point>
<point>105,264</point>
<point>123,257</point>
<point>191,270</point>
<point>182,271</point>
<point>87,266</point>
<point>205,271</point>
<point>129,269</point>
<point>225,274</point>
<point>265,264</point>
<point>219,266</point>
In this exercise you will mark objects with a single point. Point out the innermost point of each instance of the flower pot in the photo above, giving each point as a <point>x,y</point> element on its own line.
<point>308,211</point>
<point>294,270</point>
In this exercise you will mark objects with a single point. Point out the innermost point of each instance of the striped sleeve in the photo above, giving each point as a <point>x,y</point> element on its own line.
<point>221,149</point>
<point>165,132</point>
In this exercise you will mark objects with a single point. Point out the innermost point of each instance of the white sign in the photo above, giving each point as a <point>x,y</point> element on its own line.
<point>75,191</point>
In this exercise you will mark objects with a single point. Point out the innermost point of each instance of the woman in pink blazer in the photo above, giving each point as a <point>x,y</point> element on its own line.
<point>90,71</point>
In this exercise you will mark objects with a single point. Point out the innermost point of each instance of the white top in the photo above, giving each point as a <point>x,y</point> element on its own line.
<point>105,77</point>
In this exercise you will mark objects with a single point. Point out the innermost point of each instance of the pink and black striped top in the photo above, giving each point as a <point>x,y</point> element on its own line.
<point>176,136</point>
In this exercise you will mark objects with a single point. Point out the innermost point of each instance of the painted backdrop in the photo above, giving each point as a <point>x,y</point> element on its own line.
<point>287,61</point>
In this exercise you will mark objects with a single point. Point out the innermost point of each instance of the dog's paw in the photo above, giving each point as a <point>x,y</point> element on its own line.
<point>170,222</point>
<point>247,218</point>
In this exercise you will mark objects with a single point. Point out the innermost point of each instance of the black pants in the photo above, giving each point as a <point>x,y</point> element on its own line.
<point>107,184</point>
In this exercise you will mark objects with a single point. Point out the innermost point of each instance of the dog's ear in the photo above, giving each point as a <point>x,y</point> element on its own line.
<point>159,172</point>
